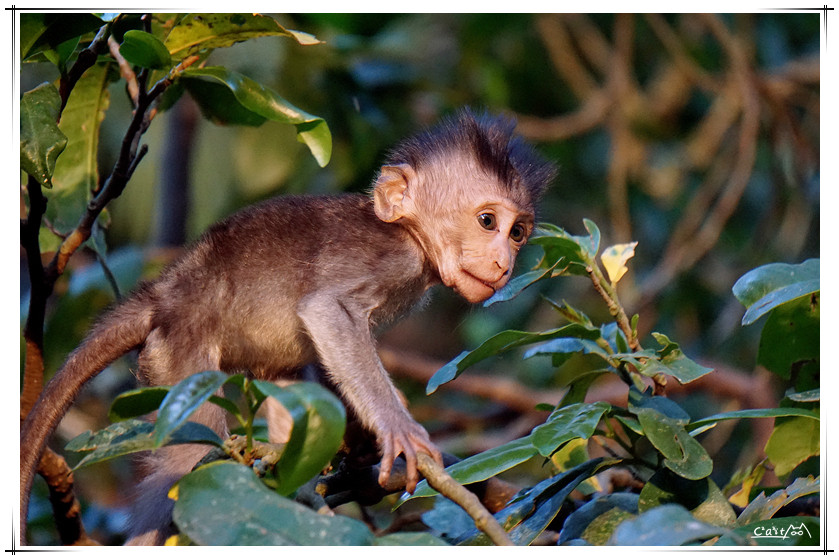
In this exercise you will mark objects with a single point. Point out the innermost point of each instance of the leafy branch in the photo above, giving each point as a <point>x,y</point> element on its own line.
<point>60,137</point>
<point>652,437</point>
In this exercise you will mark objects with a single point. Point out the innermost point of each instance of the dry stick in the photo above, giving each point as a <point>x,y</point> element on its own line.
<point>592,43</point>
<point>704,239</point>
<point>677,51</point>
<point>589,115</point>
<point>554,35</point>
<point>441,481</point>
<point>711,229</point>
<point>625,145</point>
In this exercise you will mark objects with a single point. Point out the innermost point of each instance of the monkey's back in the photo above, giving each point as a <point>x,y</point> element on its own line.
<point>235,292</point>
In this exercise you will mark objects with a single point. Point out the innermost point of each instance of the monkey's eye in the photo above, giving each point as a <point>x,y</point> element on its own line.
<point>517,233</point>
<point>487,220</point>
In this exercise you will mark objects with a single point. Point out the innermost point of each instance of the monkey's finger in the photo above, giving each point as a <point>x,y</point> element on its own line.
<point>435,453</point>
<point>387,461</point>
<point>411,465</point>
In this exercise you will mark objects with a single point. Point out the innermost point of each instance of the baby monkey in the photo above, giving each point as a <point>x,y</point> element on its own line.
<point>305,279</point>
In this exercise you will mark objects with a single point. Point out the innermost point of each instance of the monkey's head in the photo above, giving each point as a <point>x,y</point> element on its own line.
<point>467,190</point>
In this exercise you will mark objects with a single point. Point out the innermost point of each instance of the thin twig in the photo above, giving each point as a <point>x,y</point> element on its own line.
<point>706,236</point>
<point>593,45</point>
<point>591,114</point>
<point>85,59</point>
<point>441,481</point>
<point>561,51</point>
<point>126,71</point>
<point>627,149</point>
<point>684,62</point>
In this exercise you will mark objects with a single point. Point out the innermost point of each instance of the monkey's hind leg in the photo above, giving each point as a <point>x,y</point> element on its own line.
<point>151,512</point>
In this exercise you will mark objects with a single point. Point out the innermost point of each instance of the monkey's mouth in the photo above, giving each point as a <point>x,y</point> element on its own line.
<point>494,286</point>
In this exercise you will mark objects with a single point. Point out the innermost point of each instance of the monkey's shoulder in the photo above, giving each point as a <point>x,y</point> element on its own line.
<point>315,218</point>
<point>309,239</point>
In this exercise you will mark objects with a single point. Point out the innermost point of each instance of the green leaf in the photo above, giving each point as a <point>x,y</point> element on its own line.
<point>518,284</point>
<point>533,510</point>
<point>565,346</point>
<point>132,436</point>
<point>682,453</point>
<point>481,466</point>
<point>225,504</point>
<point>579,386</point>
<point>61,53</point>
<point>676,363</point>
<point>184,399</point>
<point>447,520</point>
<point>318,429</point>
<point>573,315</point>
<point>40,138</point>
<point>793,441</point>
<point>574,253</point>
<point>409,539</point>
<point>813,395</point>
<point>639,401</point>
<point>42,31</point>
<point>573,421</point>
<point>145,50</point>
<point>754,413</point>
<point>701,497</point>
<point>669,360</point>
<point>201,32</point>
<point>138,402</point>
<point>311,130</point>
<point>791,336</point>
<point>763,508</point>
<point>502,342</point>
<point>219,105</point>
<point>766,287</point>
<point>667,525</point>
<point>77,169</point>
<point>596,520</point>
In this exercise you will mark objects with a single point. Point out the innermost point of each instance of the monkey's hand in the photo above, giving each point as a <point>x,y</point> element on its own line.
<point>407,438</point>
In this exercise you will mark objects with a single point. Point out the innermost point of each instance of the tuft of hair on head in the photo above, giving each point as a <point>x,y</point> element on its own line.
<point>492,142</point>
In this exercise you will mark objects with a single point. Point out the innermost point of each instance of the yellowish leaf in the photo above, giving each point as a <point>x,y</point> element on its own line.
<point>741,497</point>
<point>614,260</point>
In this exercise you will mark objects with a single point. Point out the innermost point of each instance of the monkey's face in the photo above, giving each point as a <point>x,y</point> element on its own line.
<point>478,255</point>
<point>471,232</point>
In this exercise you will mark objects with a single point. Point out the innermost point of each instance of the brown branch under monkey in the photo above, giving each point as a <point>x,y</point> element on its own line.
<point>306,279</point>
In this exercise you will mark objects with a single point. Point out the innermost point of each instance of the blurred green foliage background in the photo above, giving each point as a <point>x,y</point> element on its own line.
<point>695,135</point>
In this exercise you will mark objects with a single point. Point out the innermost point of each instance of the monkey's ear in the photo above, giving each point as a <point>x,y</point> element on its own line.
<point>392,192</point>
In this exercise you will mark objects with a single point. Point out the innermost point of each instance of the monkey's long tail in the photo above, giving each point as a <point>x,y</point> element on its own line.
<point>123,329</point>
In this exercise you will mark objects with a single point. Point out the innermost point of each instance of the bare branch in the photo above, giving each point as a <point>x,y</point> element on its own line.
<point>441,481</point>
<point>66,508</point>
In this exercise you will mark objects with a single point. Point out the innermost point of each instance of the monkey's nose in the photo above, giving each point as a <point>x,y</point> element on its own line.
<point>505,270</point>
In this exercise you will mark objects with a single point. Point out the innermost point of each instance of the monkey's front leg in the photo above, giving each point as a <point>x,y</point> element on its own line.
<point>345,346</point>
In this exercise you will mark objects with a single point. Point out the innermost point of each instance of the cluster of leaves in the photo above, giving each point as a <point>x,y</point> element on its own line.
<point>788,296</point>
<point>653,437</point>
<point>241,493</point>
<point>166,53</point>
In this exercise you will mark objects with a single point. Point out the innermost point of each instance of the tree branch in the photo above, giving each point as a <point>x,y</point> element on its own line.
<point>441,481</point>
<point>65,507</point>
